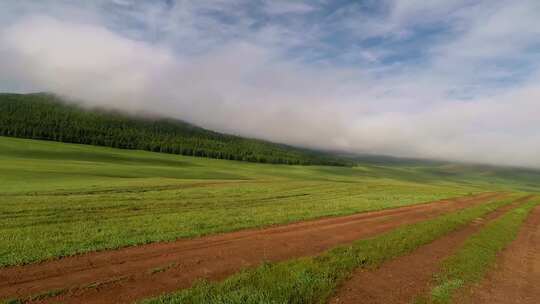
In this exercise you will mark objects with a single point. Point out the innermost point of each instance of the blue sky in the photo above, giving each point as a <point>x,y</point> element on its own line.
<point>452,79</point>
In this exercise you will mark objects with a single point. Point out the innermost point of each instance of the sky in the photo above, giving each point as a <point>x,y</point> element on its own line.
<point>443,79</point>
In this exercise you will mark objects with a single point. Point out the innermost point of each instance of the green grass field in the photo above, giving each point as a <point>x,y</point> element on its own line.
<point>60,199</point>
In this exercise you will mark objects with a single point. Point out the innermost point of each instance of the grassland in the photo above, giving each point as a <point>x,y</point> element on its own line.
<point>61,199</point>
<point>313,279</point>
<point>476,256</point>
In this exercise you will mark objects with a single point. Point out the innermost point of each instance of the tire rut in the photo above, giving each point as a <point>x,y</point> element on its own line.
<point>402,279</point>
<point>516,276</point>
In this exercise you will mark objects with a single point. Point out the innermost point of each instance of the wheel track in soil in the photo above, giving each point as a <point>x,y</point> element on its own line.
<point>402,279</point>
<point>516,275</point>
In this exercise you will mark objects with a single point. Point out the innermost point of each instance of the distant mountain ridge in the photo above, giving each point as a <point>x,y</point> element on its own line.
<point>46,116</point>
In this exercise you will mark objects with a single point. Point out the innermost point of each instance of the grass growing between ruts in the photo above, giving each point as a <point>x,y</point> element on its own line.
<point>479,252</point>
<point>313,279</point>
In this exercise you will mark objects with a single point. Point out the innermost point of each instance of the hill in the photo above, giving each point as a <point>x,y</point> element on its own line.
<point>46,116</point>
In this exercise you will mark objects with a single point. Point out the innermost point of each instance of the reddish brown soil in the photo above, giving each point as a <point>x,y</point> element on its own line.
<point>121,276</point>
<point>516,278</point>
<point>404,278</point>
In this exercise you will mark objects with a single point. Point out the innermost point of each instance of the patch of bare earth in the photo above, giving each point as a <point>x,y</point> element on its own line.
<point>402,279</point>
<point>516,277</point>
<point>128,274</point>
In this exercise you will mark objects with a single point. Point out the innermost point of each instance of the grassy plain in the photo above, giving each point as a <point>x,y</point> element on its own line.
<point>60,199</point>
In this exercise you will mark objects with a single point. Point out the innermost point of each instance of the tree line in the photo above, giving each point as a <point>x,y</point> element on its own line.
<point>47,117</point>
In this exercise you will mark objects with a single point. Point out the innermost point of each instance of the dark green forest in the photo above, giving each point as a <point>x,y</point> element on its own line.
<point>46,116</point>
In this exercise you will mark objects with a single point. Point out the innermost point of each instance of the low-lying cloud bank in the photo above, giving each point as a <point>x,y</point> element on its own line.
<point>466,100</point>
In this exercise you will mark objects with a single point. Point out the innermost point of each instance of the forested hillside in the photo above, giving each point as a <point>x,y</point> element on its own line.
<point>45,116</point>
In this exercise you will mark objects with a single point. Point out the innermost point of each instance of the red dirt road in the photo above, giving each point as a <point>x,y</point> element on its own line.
<point>125,275</point>
<point>402,279</point>
<point>516,278</point>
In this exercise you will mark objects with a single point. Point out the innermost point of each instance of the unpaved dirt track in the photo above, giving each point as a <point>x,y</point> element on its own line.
<point>516,277</point>
<point>121,276</point>
<point>404,278</point>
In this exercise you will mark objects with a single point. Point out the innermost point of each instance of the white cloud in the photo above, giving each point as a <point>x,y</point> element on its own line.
<point>278,7</point>
<point>81,60</point>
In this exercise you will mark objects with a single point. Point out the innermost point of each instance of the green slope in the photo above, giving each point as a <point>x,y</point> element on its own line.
<point>59,199</point>
<point>44,116</point>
